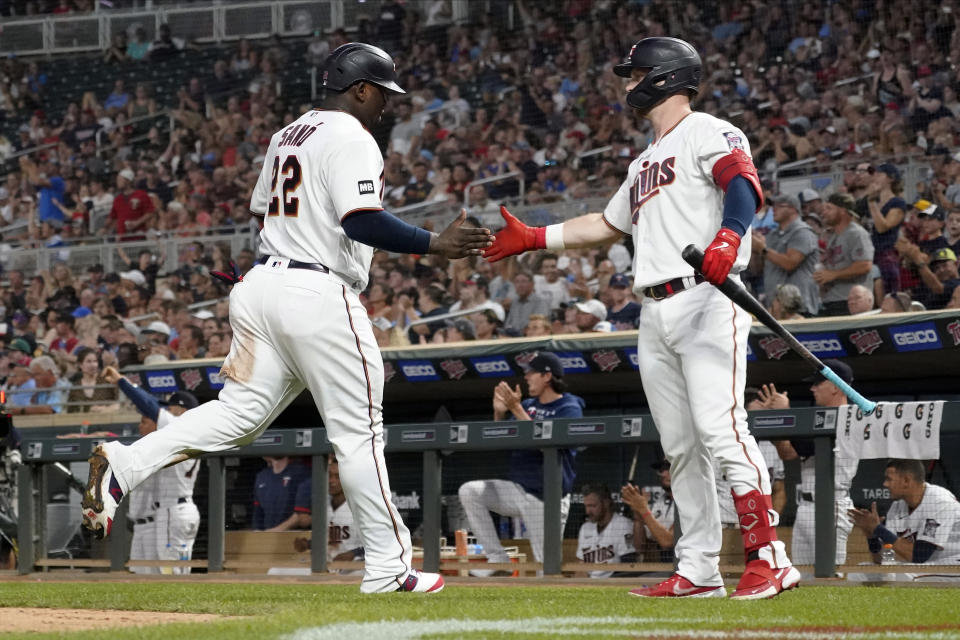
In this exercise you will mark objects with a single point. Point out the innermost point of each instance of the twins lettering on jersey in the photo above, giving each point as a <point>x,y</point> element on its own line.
<point>652,176</point>
<point>338,533</point>
<point>599,554</point>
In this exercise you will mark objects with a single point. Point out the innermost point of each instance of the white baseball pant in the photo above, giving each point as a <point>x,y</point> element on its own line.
<point>296,329</point>
<point>507,498</point>
<point>802,543</point>
<point>692,355</point>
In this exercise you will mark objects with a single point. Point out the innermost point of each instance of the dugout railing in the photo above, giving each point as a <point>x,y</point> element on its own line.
<point>434,442</point>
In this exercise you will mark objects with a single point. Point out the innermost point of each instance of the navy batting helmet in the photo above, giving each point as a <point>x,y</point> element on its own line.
<point>356,62</point>
<point>673,66</point>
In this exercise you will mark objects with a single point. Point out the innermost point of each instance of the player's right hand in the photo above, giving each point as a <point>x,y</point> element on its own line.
<point>111,375</point>
<point>458,241</point>
<point>514,238</point>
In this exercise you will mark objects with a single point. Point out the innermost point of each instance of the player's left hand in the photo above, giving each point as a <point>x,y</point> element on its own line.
<point>720,256</point>
<point>458,241</point>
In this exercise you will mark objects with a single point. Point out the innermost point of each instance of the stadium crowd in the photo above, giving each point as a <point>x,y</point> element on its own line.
<point>860,87</point>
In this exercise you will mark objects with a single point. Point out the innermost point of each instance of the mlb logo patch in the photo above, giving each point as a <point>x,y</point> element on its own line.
<point>365,186</point>
<point>734,141</point>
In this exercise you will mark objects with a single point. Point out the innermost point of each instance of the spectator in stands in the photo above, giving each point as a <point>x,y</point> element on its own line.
<point>49,185</point>
<point>920,524</point>
<point>522,495</point>
<point>488,324</point>
<point>53,389</point>
<point>549,282</point>
<point>419,187</point>
<point>939,276</point>
<point>654,514</point>
<point>118,99</point>
<point>588,314</point>
<point>887,211</point>
<point>138,48</point>
<point>474,294</point>
<point>457,330</point>
<point>66,340</point>
<point>275,494</point>
<point>117,52</point>
<point>165,45</point>
<point>898,302</point>
<point>789,254</point>
<point>538,325</point>
<point>848,255</point>
<point>623,312</point>
<point>19,386</point>
<point>525,303</point>
<point>218,345</point>
<point>787,303</point>
<point>860,301</point>
<point>85,383</point>
<point>431,301</point>
<point>606,536</point>
<point>133,210</point>
<point>189,343</point>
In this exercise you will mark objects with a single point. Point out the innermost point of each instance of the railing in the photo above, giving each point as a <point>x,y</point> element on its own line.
<point>167,115</point>
<point>518,175</point>
<point>205,23</point>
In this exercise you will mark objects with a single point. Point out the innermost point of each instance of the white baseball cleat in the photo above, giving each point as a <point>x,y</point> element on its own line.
<point>101,497</point>
<point>421,582</point>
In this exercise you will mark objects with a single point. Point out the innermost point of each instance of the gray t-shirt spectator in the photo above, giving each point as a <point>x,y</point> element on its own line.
<point>802,238</point>
<point>521,310</point>
<point>843,249</point>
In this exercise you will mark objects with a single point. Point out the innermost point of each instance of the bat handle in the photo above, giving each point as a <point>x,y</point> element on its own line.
<point>867,406</point>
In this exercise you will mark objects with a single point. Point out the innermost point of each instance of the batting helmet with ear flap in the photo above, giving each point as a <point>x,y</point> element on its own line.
<point>357,62</point>
<point>672,65</point>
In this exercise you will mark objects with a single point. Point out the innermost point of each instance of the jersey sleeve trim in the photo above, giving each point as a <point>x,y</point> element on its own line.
<point>357,210</point>
<point>737,163</point>
<point>301,510</point>
<point>613,226</point>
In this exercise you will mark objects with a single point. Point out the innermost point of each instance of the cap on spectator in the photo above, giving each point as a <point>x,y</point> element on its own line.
<point>787,199</point>
<point>943,254</point>
<point>158,326</point>
<point>923,71</point>
<point>203,314</point>
<point>922,205</point>
<point>135,276</point>
<point>809,195</point>
<point>132,327</point>
<point>183,399</point>
<point>889,169</point>
<point>167,294</point>
<point>604,326</point>
<point>21,345</point>
<point>111,277</point>
<point>842,369</point>
<point>873,54</point>
<point>464,326</point>
<point>155,358</point>
<point>932,211</point>
<point>594,308</point>
<point>621,280</point>
<point>95,268</point>
<point>546,362</point>
<point>81,312</point>
<point>844,201</point>
<point>127,174</point>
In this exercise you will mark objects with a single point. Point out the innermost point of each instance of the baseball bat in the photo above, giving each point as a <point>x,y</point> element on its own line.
<point>633,463</point>
<point>742,297</point>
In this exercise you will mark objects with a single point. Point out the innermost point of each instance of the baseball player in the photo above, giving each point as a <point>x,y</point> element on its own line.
<point>606,536</point>
<point>654,514</point>
<point>923,523</point>
<point>165,518</point>
<point>695,183</point>
<point>298,322</point>
<point>342,540</point>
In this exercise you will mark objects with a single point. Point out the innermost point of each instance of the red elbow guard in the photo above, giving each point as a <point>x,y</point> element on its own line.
<point>737,163</point>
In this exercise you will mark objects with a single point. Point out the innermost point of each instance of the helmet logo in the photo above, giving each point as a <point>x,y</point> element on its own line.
<point>325,74</point>
<point>632,49</point>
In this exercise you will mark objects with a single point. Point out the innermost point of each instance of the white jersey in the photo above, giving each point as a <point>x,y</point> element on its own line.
<point>342,535</point>
<point>609,545</point>
<point>935,520</point>
<point>317,171</point>
<point>174,484</point>
<point>661,506</point>
<point>670,198</point>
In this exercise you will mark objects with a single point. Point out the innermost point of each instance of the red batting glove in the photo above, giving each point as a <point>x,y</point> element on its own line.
<point>515,238</point>
<point>720,256</point>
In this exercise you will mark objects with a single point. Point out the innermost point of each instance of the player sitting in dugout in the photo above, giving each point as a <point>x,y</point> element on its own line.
<point>923,522</point>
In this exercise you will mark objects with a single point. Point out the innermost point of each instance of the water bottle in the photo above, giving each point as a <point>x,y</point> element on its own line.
<point>887,555</point>
<point>184,552</point>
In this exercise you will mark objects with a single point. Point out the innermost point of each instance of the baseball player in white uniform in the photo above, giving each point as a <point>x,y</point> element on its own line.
<point>606,536</point>
<point>695,183</point>
<point>165,519</point>
<point>298,322</point>
<point>923,523</point>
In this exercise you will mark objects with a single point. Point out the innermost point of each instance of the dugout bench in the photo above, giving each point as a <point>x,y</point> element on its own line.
<point>432,441</point>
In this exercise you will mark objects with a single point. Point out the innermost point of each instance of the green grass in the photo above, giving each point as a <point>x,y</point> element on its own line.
<point>272,610</point>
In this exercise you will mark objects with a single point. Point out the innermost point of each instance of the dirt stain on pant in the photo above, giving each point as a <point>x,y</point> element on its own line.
<point>238,365</point>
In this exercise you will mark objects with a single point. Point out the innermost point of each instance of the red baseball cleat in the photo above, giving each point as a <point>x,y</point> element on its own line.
<point>676,586</point>
<point>760,581</point>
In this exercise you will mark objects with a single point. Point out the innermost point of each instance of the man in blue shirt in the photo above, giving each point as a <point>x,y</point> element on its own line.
<point>275,492</point>
<point>521,496</point>
<point>50,187</point>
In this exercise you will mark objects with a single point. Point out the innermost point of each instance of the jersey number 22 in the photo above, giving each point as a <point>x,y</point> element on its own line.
<point>291,204</point>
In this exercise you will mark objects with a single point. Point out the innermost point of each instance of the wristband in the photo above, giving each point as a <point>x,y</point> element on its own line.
<point>874,544</point>
<point>885,535</point>
<point>553,237</point>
